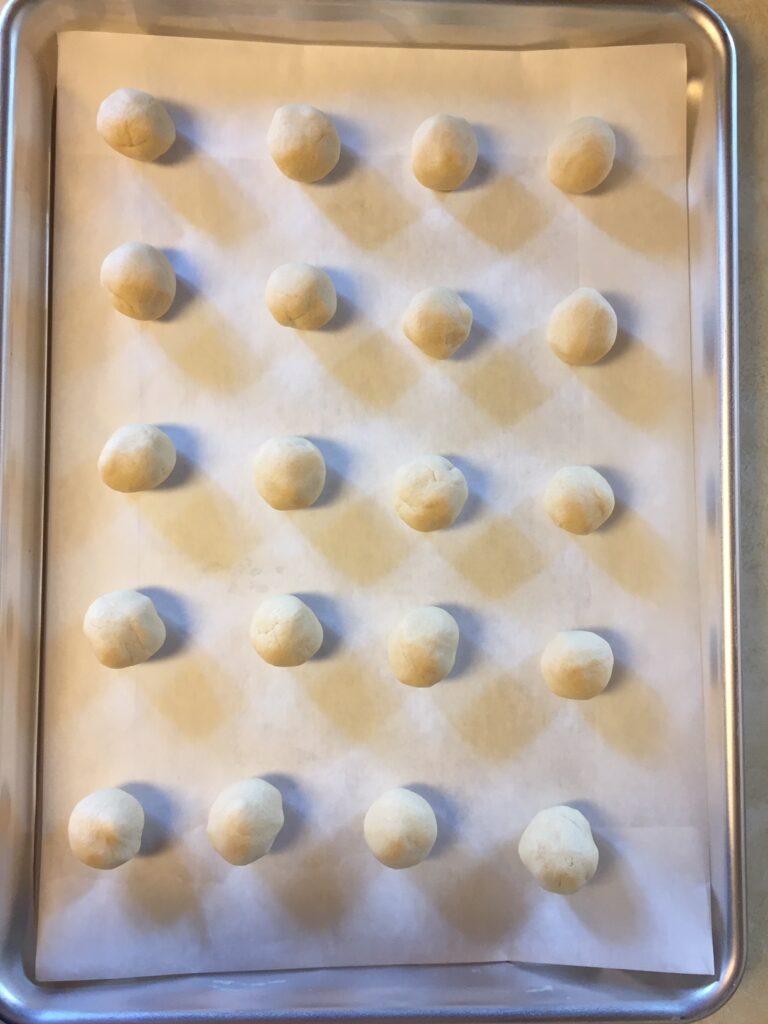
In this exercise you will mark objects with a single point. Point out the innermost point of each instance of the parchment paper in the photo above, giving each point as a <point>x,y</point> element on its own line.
<point>490,746</point>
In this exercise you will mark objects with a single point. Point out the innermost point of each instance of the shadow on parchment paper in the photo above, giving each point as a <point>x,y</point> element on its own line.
<point>328,612</point>
<point>163,894</point>
<point>494,555</point>
<point>365,206</point>
<point>469,651</point>
<point>501,715</point>
<point>621,485</point>
<point>160,816</point>
<point>352,144</point>
<point>347,288</point>
<point>323,887</point>
<point>198,698</point>
<point>186,441</point>
<point>637,213</point>
<point>177,618</point>
<point>359,537</point>
<point>504,213</point>
<point>338,463</point>
<point>295,810</point>
<point>205,524</point>
<point>631,718</point>
<point>479,899</point>
<point>634,554</point>
<point>187,131</point>
<point>355,697</point>
<point>188,284</point>
<point>500,380</point>
<point>210,351</point>
<point>447,813</point>
<point>376,368</point>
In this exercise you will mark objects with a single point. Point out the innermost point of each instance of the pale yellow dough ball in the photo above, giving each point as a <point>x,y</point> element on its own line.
<point>301,296</point>
<point>422,647</point>
<point>577,664</point>
<point>124,628</point>
<point>582,328</point>
<point>400,828</point>
<point>137,457</point>
<point>443,152</point>
<point>582,155</point>
<point>289,472</point>
<point>558,849</point>
<point>105,828</point>
<point>139,280</point>
<point>244,820</point>
<point>303,142</point>
<point>430,493</point>
<point>285,632</point>
<point>578,499</point>
<point>135,124</point>
<point>437,321</point>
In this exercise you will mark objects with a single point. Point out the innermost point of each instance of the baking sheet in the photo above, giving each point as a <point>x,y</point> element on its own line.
<point>490,746</point>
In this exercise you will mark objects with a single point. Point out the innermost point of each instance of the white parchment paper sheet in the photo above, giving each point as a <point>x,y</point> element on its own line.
<point>490,746</point>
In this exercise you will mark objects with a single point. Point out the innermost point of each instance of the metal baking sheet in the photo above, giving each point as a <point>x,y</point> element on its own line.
<point>517,1001</point>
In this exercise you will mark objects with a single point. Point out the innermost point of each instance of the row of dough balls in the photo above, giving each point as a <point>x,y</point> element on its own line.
<point>141,284</point>
<point>429,492</point>
<point>400,829</point>
<point>124,629</point>
<point>305,146</point>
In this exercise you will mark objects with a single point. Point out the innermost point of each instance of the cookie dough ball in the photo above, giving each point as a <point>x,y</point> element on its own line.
<point>135,124</point>
<point>140,281</point>
<point>301,296</point>
<point>422,647</point>
<point>559,851</point>
<point>290,472</point>
<point>578,499</point>
<point>124,628</point>
<point>244,820</point>
<point>577,664</point>
<point>137,457</point>
<point>582,155</point>
<point>582,328</point>
<point>303,142</point>
<point>438,321</point>
<point>105,828</point>
<point>444,152</point>
<point>285,632</point>
<point>400,828</point>
<point>430,493</point>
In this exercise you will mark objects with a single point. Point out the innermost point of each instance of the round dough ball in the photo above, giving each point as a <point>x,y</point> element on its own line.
<point>578,499</point>
<point>437,321</point>
<point>559,851</point>
<point>135,124</point>
<point>140,281</point>
<point>400,828</point>
<point>303,142</point>
<point>244,820</point>
<point>582,328</point>
<point>422,647</point>
<point>137,457</point>
<point>105,828</point>
<point>124,628</point>
<point>444,152</point>
<point>582,155</point>
<point>301,296</point>
<point>285,632</point>
<point>430,493</point>
<point>577,664</point>
<point>290,472</point>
